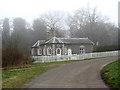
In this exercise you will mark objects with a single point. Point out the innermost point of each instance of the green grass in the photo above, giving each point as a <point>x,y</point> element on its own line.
<point>17,78</point>
<point>111,74</point>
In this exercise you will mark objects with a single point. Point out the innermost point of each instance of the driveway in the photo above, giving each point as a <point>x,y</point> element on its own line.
<point>83,74</point>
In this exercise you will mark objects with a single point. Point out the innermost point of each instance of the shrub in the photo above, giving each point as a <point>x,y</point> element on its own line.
<point>107,48</point>
<point>13,57</point>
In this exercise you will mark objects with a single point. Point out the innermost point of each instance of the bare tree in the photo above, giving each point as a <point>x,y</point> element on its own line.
<point>88,22</point>
<point>53,21</point>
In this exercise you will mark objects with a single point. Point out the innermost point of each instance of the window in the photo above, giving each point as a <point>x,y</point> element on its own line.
<point>39,51</point>
<point>44,51</point>
<point>82,49</point>
<point>58,51</point>
<point>49,51</point>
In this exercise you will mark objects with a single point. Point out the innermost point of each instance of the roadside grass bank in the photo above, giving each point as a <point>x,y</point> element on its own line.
<point>17,77</point>
<point>111,74</point>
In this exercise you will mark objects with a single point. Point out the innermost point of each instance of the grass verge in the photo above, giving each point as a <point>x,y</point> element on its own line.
<point>17,78</point>
<point>111,74</point>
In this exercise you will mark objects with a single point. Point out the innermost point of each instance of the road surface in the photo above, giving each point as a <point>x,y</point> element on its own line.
<point>83,74</point>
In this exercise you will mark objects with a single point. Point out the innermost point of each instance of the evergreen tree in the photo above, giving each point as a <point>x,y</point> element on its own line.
<point>5,32</point>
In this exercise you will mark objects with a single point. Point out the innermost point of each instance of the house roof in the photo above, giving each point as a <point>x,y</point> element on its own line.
<point>54,40</point>
<point>77,40</point>
<point>64,40</point>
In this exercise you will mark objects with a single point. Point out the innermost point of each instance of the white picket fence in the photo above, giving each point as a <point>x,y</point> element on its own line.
<point>42,59</point>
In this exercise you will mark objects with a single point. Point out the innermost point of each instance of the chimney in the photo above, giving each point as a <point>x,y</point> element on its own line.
<point>48,34</point>
<point>53,32</point>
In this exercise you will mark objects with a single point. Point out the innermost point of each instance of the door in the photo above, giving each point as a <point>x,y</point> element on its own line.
<point>58,51</point>
<point>69,51</point>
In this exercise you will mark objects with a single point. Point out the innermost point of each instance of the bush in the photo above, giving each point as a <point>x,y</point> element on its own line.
<point>13,57</point>
<point>107,48</point>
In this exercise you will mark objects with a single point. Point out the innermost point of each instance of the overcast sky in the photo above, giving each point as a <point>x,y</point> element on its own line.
<point>30,9</point>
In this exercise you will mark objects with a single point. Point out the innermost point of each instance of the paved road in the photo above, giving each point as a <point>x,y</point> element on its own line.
<point>83,74</point>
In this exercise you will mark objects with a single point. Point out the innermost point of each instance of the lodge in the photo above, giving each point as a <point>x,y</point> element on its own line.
<point>62,46</point>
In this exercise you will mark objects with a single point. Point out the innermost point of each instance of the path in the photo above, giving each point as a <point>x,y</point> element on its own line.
<point>83,74</point>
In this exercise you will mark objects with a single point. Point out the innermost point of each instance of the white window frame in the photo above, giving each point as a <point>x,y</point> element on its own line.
<point>48,51</point>
<point>39,51</point>
<point>60,51</point>
<point>82,49</point>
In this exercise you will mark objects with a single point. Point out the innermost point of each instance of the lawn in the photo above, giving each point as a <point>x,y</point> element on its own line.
<point>111,74</point>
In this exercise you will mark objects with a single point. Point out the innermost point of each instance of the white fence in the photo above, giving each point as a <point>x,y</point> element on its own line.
<point>42,59</point>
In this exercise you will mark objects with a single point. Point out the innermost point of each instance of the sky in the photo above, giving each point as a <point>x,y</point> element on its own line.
<point>31,9</point>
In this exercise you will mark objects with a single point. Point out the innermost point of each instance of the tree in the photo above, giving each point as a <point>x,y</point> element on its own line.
<point>88,22</point>
<point>20,32</point>
<point>53,21</point>
<point>0,41</point>
<point>5,32</point>
<point>14,53</point>
<point>19,27</point>
<point>39,30</point>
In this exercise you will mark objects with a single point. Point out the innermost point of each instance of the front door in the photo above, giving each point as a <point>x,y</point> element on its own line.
<point>69,51</point>
<point>58,51</point>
